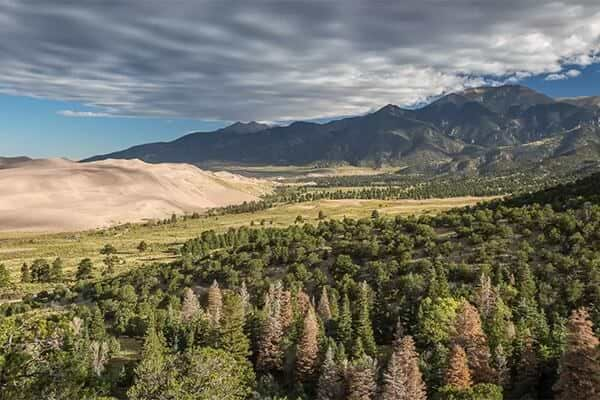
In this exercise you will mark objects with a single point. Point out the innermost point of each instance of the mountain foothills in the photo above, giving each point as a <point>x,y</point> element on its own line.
<point>479,130</point>
<point>500,301</point>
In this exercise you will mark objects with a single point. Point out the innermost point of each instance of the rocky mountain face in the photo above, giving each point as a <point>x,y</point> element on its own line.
<point>479,130</point>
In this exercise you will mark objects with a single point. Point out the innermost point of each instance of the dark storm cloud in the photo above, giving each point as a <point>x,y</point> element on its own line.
<point>281,59</point>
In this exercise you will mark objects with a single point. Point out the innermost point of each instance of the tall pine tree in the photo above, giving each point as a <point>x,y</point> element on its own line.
<point>403,379</point>
<point>361,379</point>
<point>458,375</point>
<point>470,336</point>
<point>331,380</point>
<point>580,364</point>
<point>363,328</point>
<point>307,351</point>
<point>215,304</point>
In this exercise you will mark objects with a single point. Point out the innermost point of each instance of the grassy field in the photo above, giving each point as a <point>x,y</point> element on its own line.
<point>165,240</point>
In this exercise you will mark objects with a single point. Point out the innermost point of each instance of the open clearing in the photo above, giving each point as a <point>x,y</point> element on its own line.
<point>164,240</point>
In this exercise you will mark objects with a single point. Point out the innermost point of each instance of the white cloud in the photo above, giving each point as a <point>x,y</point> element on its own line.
<point>84,114</point>
<point>282,60</point>
<point>572,73</point>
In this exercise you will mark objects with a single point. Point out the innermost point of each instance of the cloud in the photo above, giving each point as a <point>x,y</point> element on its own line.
<point>79,114</point>
<point>572,73</point>
<point>282,60</point>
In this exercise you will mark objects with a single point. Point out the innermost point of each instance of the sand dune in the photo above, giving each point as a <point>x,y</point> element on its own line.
<point>62,195</point>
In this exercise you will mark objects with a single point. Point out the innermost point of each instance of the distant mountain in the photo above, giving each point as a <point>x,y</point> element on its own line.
<point>590,102</point>
<point>477,130</point>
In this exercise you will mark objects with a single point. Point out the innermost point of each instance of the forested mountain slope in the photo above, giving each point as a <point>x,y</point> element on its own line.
<point>480,130</point>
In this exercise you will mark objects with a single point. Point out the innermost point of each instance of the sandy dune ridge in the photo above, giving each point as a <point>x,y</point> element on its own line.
<point>61,195</point>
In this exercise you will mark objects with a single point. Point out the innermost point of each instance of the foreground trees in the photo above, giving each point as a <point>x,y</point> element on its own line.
<point>483,296</point>
<point>580,364</point>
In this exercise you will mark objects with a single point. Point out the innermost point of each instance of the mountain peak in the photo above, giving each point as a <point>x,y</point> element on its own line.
<point>391,109</point>
<point>501,98</point>
<point>245,127</point>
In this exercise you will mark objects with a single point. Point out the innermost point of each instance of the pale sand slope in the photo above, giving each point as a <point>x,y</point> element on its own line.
<point>61,195</point>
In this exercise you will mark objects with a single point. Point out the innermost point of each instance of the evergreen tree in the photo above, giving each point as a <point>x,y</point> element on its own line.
<point>403,379</point>
<point>84,269</point>
<point>361,380</point>
<point>40,271</point>
<point>580,364</point>
<point>244,297</point>
<point>363,329</point>
<point>302,302</point>
<point>190,307</point>
<point>154,375</point>
<point>285,304</point>
<point>323,308</point>
<point>307,351</point>
<point>231,332</point>
<point>270,352</point>
<point>215,304</point>
<point>4,276</point>
<point>56,270</point>
<point>25,273</point>
<point>527,373</point>
<point>458,375</point>
<point>344,323</point>
<point>331,383</point>
<point>470,336</point>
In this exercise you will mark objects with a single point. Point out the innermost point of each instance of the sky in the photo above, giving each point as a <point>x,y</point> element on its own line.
<point>84,78</point>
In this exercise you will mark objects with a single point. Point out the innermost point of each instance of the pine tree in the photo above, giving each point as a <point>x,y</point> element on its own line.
<point>361,380</point>
<point>190,307</point>
<point>344,323</point>
<point>403,379</point>
<point>324,309</point>
<point>25,273</point>
<point>470,336</point>
<point>270,352</point>
<point>56,270</point>
<point>458,375</point>
<point>331,385</point>
<point>231,332</point>
<point>307,351</point>
<point>154,375</point>
<point>485,296</point>
<point>580,364</point>
<point>527,375</point>
<point>287,312</point>
<point>363,329</point>
<point>245,298</point>
<point>215,304</point>
<point>302,302</point>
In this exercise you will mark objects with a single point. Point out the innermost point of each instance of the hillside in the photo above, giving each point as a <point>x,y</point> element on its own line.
<point>512,287</point>
<point>70,196</point>
<point>478,130</point>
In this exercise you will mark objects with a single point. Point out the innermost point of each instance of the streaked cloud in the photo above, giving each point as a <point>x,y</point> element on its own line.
<point>88,114</point>
<point>284,60</point>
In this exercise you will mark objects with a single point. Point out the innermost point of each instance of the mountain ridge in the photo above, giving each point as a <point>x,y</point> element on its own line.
<point>472,124</point>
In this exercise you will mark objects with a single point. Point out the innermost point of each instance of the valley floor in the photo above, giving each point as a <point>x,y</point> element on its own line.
<point>165,239</point>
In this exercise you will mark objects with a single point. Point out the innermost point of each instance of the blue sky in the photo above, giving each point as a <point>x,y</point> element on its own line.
<point>82,78</point>
<point>35,127</point>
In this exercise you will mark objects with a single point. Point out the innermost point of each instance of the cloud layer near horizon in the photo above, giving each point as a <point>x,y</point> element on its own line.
<point>282,60</point>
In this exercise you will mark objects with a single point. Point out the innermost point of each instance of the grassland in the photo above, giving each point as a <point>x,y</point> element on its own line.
<point>164,240</point>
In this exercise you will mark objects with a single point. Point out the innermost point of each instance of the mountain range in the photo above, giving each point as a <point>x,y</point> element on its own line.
<point>478,130</point>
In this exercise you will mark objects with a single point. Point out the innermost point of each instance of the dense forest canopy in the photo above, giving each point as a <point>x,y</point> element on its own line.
<point>497,301</point>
